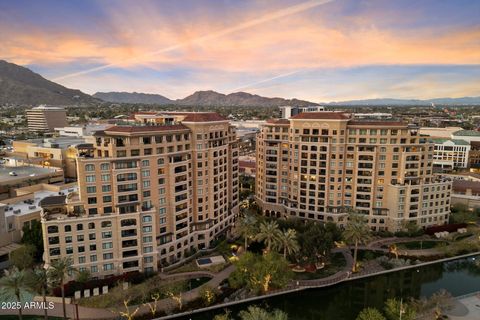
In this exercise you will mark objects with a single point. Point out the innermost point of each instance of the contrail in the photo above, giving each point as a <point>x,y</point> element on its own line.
<point>242,26</point>
<point>253,84</point>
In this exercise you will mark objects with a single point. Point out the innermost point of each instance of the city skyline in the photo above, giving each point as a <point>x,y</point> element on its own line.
<point>315,50</point>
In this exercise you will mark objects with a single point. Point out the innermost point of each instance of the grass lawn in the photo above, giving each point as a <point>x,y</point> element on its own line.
<point>417,245</point>
<point>337,263</point>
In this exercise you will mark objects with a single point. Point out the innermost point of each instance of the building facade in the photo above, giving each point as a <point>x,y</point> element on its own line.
<point>46,119</point>
<point>450,154</point>
<point>150,193</point>
<point>321,165</point>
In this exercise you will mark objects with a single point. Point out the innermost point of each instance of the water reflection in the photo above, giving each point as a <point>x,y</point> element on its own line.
<point>346,300</point>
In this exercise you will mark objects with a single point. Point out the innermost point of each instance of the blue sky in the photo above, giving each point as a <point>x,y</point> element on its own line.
<point>316,50</point>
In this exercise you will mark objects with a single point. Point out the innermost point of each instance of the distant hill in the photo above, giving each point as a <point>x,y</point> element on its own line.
<point>411,102</point>
<point>21,86</point>
<point>133,97</point>
<point>201,98</point>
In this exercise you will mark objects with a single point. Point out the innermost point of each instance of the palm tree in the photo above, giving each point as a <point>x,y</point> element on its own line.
<point>14,285</point>
<point>247,228</point>
<point>58,271</point>
<point>268,233</point>
<point>287,241</point>
<point>39,283</point>
<point>356,232</point>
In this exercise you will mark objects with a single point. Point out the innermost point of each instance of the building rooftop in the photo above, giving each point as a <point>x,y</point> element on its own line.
<point>142,128</point>
<point>322,115</point>
<point>58,142</point>
<point>198,116</point>
<point>23,172</point>
<point>467,133</point>
<point>461,186</point>
<point>457,142</point>
<point>45,107</point>
<point>32,205</point>
<point>371,122</point>
<point>278,121</point>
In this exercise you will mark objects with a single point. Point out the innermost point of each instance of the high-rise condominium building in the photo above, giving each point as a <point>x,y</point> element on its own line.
<point>150,193</point>
<point>45,119</point>
<point>322,165</point>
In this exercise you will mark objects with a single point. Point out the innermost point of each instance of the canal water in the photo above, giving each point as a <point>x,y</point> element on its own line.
<point>346,300</point>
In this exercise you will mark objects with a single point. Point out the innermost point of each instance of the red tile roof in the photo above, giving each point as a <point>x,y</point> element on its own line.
<point>135,129</point>
<point>246,164</point>
<point>278,121</point>
<point>463,185</point>
<point>199,116</point>
<point>322,115</point>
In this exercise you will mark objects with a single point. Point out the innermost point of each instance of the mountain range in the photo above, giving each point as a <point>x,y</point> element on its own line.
<point>21,86</point>
<point>201,98</point>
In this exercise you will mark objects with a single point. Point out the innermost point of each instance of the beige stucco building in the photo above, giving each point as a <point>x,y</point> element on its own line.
<point>321,165</point>
<point>150,193</point>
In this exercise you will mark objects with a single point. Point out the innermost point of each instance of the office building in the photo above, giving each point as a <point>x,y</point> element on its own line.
<point>450,154</point>
<point>151,193</point>
<point>46,119</point>
<point>321,165</point>
<point>290,111</point>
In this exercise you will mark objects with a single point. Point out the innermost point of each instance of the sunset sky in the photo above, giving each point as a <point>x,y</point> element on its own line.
<point>316,50</point>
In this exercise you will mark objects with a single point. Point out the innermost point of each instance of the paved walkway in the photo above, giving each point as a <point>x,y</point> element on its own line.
<point>466,308</point>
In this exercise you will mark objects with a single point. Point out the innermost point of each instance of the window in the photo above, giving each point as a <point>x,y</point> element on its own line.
<point>108,266</point>
<point>105,166</point>
<point>92,200</point>
<point>107,198</point>
<point>89,167</point>
<point>107,256</point>
<point>79,227</point>
<point>106,224</point>
<point>69,250</point>
<point>68,239</point>
<point>145,163</point>
<point>106,234</point>
<point>148,249</point>
<point>147,239</point>
<point>91,225</point>
<point>147,218</point>
<point>91,189</point>
<point>81,259</point>
<point>107,245</point>
<point>94,269</point>
<point>147,229</point>
<point>68,228</point>
<point>93,258</point>
<point>106,188</point>
<point>90,178</point>
<point>105,177</point>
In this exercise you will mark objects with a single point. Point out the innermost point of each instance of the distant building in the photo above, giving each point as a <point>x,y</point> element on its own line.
<point>80,131</point>
<point>474,157</point>
<point>450,154</point>
<point>374,115</point>
<point>247,166</point>
<point>46,119</point>
<point>466,192</point>
<point>59,152</point>
<point>467,135</point>
<point>289,111</point>
<point>439,132</point>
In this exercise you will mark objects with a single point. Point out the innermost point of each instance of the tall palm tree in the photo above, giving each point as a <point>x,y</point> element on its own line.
<point>247,228</point>
<point>14,285</point>
<point>287,241</point>
<point>39,283</point>
<point>59,269</point>
<point>268,233</point>
<point>356,232</point>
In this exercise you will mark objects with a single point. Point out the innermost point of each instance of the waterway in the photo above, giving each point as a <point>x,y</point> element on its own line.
<point>346,300</point>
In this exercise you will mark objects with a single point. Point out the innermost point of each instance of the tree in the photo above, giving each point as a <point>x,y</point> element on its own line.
<point>315,241</point>
<point>257,313</point>
<point>268,233</point>
<point>247,228</point>
<point>356,232</point>
<point>287,241</point>
<point>22,258</point>
<point>258,273</point>
<point>370,314</point>
<point>59,269</point>
<point>32,235</point>
<point>208,295</point>
<point>83,276</point>
<point>399,310</point>
<point>14,286</point>
<point>38,282</point>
